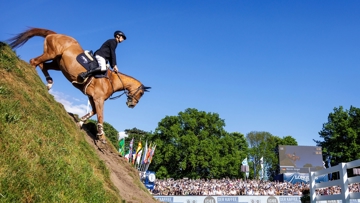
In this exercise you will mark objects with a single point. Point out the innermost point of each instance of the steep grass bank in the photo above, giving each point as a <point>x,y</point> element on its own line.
<point>44,156</point>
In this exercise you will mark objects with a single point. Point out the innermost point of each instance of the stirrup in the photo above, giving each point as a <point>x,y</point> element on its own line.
<point>83,75</point>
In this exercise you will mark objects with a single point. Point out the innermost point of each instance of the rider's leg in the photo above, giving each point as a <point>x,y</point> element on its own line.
<point>100,68</point>
<point>102,62</point>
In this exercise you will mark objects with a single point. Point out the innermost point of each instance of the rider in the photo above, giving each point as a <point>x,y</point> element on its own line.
<point>106,53</point>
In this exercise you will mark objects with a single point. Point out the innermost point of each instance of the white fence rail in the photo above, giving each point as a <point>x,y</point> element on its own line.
<point>343,182</point>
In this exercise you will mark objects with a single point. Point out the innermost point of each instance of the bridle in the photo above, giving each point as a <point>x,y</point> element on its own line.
<point>130,97</point>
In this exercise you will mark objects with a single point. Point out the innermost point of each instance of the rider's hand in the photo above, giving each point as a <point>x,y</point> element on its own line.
<point>115,69</point>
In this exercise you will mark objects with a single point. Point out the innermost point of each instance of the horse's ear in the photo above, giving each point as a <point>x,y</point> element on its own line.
<point>146,88</point>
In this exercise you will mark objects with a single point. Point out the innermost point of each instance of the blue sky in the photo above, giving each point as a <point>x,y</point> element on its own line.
<point>275,66</point>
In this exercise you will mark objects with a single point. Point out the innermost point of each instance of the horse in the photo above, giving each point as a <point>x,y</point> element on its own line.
<point>60,52</point>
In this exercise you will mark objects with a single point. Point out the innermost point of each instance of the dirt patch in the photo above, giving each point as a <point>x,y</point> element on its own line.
<point>125,178</point>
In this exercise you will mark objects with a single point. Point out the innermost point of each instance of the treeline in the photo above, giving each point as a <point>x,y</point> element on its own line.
<point>194,144</point>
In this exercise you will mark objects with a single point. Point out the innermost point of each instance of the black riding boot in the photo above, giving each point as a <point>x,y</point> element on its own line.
<point>88,73</point>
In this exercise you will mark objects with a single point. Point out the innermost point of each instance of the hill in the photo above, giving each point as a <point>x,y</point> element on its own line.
<point>45,157</point>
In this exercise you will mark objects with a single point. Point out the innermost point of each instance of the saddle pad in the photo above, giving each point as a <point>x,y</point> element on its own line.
<point>86,62</point>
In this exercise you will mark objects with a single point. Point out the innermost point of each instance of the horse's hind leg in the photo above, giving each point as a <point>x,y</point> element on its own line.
<point>49,54</point>
<point>53,65</point>
<point>88,115</point>
<point>41,59</point>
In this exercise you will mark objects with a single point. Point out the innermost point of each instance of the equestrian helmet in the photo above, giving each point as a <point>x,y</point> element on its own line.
<point>119,33</point>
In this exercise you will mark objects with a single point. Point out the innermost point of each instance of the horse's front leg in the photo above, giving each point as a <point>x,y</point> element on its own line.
<point>99,106</point>
<point>53,65</point>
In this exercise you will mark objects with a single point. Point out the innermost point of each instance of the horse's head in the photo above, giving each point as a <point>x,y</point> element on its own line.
<point>134,96</point>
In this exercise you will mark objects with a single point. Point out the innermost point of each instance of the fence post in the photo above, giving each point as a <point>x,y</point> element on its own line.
<point>312,187</point>
<point>344,183</point>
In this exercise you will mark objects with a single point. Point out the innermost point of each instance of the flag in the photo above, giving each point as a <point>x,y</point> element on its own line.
<point>245,162</point>
<point>122,147</point>
<point>152,153</point>
<point>148,155</point>
<point>133,157</point>
<point>138,157</point>
<point>131,148</point>
<point>262,168</point>
<point>246,167</point>
<point>139,147</point>
<point>145,152</point>
<point>137,150</point>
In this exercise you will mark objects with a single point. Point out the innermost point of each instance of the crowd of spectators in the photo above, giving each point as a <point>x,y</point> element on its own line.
<point>230,187</point>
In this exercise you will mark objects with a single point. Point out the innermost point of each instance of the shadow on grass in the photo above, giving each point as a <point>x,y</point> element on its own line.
<point>90,127</point>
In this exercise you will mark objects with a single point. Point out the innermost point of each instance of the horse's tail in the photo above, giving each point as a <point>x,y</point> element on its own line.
<point>22,38</point>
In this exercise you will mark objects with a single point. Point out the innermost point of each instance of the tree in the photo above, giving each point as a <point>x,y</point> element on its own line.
<point>288,140</point>
<point>265,145</point>
<point>138,135</point>
<point>273,169</point>
<point>194,144</point>
<point>260,145</point>
<point>341,135</point>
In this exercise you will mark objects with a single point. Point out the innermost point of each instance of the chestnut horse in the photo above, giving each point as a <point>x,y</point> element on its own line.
<point>60,52</point>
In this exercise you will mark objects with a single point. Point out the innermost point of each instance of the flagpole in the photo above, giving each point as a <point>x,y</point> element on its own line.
<point>87,107</point>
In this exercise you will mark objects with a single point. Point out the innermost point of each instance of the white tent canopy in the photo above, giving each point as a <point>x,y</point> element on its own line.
<point>122,135</point>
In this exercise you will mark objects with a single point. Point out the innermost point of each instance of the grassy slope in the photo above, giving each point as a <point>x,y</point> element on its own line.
<point>43,155</point>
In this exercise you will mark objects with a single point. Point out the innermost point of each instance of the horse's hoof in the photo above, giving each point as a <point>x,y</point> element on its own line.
<point>80,124</point>
<point>101,138</point>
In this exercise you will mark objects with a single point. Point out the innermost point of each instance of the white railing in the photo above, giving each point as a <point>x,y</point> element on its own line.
<point>343,182</point>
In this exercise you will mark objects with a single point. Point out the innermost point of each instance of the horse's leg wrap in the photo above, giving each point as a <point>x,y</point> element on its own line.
<point>85,118</point>
<point>49,86</point>
<point>100,129</point>
<point>49,81</point>
<point>100,133</point>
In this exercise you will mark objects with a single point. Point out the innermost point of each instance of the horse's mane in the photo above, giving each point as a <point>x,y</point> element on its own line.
<point>128,76</point>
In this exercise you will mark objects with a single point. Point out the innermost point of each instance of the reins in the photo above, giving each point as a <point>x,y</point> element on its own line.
<point>126,92</point>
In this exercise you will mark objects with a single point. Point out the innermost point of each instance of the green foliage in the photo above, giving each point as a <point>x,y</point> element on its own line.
<point>341,135</point>
<point>288,140</point>
<point>138,135</point>
<point>305,197</point>
<point>264,144</point>
<point>195,145</point>
<point>260,145</point>
<point>110,132</point>
<point>44,156</point>
<point>273,168</point>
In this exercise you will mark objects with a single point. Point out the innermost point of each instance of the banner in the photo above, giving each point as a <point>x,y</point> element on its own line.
<point>238,199</point>
<point>302,177</point>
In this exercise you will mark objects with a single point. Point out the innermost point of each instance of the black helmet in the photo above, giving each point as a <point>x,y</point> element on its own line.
<point>119,33</point>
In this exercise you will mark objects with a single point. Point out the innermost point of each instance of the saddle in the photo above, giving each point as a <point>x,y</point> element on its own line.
<point>88,61</point>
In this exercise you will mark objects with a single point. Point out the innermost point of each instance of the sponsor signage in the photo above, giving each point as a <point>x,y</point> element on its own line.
<point>238,199</point>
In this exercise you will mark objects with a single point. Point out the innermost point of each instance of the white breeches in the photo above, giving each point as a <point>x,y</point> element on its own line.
<point>102,62</point>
